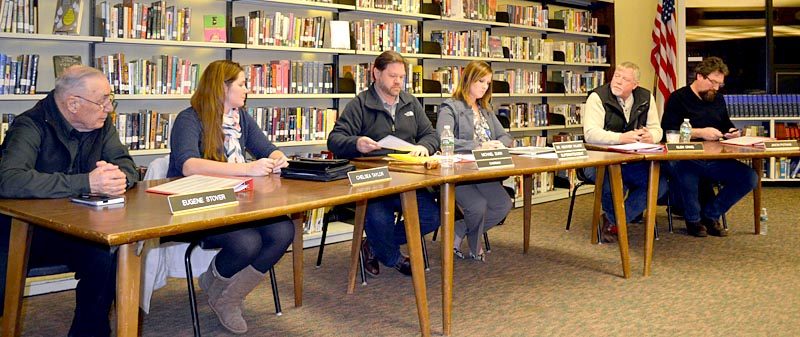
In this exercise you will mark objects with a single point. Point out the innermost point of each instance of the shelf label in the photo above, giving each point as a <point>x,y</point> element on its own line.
<point>685,147</point>
<point>781,145</point>
<point>570,150</point>
<point>369,176</point>
<point>189,202</point>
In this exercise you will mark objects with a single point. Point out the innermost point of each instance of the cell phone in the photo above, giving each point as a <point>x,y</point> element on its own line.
<point>98,199</point>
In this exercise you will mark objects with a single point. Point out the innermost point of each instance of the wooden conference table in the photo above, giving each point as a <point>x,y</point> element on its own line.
<point>526,167</point>
<point>146,216</point>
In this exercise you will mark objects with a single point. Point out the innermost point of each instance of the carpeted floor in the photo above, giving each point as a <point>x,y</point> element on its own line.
<point>742,285</point>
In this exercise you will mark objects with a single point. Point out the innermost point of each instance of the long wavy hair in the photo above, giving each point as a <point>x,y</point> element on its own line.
<point>208,101</point>
<point>471,74</point>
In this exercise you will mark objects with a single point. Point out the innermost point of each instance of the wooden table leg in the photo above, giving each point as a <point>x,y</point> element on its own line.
<point>527,200</point>
<point>447,206</point>
<point>18,248</point>
<point>600,175</point>
<point>129,270</point>
<point>758,166</point>
<point>358,234</point>
<point>411,216</point>
<point>650,219</point>
<point>297,261</point>
<point>619,212</point>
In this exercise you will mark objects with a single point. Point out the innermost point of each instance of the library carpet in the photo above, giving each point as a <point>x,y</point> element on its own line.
<point>742,285</point>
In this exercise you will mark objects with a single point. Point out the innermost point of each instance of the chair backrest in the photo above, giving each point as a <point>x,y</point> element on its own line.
<point>157,169</point>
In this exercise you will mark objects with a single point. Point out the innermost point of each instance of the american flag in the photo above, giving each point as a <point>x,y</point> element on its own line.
<point>663,55</point>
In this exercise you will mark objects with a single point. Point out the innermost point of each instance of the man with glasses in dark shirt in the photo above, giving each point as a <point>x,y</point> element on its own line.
<point>64,146</point>
<point>705,108</point>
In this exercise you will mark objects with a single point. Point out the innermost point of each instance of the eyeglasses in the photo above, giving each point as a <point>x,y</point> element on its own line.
<point>109,101</point>
<point>715,83</point>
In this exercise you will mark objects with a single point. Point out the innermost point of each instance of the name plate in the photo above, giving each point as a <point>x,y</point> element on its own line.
<point>781,145</point>
<point>685,147</point>
<point>189,202</point>
<point>369,176</point>
<point>570,150</point>
<point>492,158</point>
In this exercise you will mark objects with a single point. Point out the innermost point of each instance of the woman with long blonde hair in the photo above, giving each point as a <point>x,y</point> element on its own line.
<point>212,137</point>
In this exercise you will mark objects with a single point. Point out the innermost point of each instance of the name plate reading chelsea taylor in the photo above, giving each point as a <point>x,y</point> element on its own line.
<point>189,202</point>
<point>685,147</point>
<point>781,145</point>
<point>486,159</point>
<point>570,150</point>
<point>369,176</point>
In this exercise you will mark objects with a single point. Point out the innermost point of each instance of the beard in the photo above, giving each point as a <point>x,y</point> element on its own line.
<point>388,88</point>
<point>708,95</point>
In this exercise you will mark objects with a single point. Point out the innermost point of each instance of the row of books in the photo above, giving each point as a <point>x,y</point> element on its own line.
<point>361,75</point>
<point>571,112</point>
<point>470,9</point>
<point>405,6</point>
<point>145,129</point>
<point>313,220</point>
<point>448,76</point>
<point>374,35</point>
<point>19,16</point>
<point>289,77</point>
<point>786,168</point>
<point>19,74</point>
<point>520,81</point>
<point>577,20</point>
<point>534,15</point>
<point>529,48</point>
<point>473,43</point>
<point>755,131</point>
<point>523,115</point>
<point>279,29</point>
<point>161,75</point>
<point>581,51</point>
<point>5,122</point>
<point>763,105</point>
<point>540,141</point>
<point>284,124</point>
<point>134,20</point>
<point>787,130</point>
<point>542,182</point>
<point>579,82</point>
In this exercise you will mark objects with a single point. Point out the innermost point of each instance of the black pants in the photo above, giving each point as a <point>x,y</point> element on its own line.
<point>259,243</point>
<point>95,267</point>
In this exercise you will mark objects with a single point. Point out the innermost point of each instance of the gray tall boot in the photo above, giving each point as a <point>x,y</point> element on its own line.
<point>226,295</point>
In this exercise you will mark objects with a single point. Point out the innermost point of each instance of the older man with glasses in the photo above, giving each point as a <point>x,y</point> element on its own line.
<point>622,112</point>
<point>64,146</point>
<point>701,103</point>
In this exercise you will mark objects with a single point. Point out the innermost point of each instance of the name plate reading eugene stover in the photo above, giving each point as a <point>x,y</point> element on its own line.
<point>369,176</point>
<point>486,159</point>
<point>570,150</point>
<point>781,145</point>
<point>189,202</point>
<point>685,147</point>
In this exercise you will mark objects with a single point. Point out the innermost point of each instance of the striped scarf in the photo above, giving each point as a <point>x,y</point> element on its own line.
<point>232,131</point>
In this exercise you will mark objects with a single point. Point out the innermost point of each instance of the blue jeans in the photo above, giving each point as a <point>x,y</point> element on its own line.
<point>385,236</point>
<point>634,182</point>
<point>736,178</point>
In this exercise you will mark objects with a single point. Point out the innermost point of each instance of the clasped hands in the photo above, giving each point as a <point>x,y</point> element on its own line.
<point>710,133</point>
<point>265,166</point>
<point>641,135</point>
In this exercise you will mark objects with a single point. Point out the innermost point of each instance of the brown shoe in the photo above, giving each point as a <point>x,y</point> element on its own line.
<point>371,265</point>
<point>696,229</point>
<point>609,231</point>
<point>713,227</point>
<point>404,266</point>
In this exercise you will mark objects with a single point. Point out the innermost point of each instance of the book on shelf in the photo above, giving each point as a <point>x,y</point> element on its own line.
<point>378,36</point>
<point>571,112</point>
<point>485,10</point>
<point>403,6</point>
<point>68,17</point>
<point>359,73</point>
<point>19,74</point>
<point>289,77</point>
<point>6,119</point>
<point>448,76</point>
<point>577,20</point>
<point>19,16</point>
<point>525,115</point>
<point>62,62</point>
<point>286,124</point>
<point>214,28</point>
<point>160,75</point>
<point>533,15</point>
<point>282,29</point>
<point>340,34</point>
<point>783,105</point>
<point>134,20</point>
<point>495,47</point>
<point>520,81</point>
<point>145,129</point>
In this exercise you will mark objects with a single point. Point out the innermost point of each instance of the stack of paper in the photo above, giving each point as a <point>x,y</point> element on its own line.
<point>638,147</point>
<point>200,183</point>
<point>746,141</point>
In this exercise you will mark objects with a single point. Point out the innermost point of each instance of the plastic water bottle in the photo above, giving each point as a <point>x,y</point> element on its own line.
<point>448,144</point>
<point>686,131</point>
<point>764,219</point>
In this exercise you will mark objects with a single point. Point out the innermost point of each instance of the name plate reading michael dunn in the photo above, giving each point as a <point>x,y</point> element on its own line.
<point>492,158</point>
<point>189,202</point>
<point>685,147</point>
<point>781,145</point>
<point>570,150</point>
<point>369,176</point>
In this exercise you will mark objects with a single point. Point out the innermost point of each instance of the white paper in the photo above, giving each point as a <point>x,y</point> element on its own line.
<point>638,147</point>
<point>530,150</point>
<point>547,155</point>
<point>340,34</point>
<point>458,158</point>
<point>394,143</point>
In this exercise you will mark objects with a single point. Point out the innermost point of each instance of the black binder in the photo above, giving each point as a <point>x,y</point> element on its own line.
<point>317,169</point>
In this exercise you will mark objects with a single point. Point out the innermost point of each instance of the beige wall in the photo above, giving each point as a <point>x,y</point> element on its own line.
<point>633,26</point>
